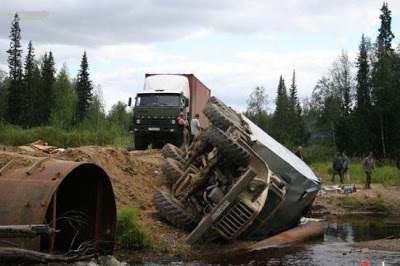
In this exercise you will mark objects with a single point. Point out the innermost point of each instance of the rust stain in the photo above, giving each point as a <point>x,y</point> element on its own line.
<point>28,187</point>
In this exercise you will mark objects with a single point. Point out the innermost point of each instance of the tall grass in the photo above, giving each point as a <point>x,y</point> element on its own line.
<point>113,136</point>
<point>131,234</point>
<point>387,175</point>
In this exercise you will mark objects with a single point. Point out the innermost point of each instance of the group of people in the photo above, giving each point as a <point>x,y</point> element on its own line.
<point>183,124</point>
<point>341,165</point>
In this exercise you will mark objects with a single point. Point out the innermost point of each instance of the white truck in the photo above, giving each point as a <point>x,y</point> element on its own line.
<point>156,108</point>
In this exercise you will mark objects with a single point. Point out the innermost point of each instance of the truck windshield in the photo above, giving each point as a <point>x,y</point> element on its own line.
<point>157,100</point>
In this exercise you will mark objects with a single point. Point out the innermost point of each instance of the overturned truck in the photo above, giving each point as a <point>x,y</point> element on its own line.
<point>234,181</point>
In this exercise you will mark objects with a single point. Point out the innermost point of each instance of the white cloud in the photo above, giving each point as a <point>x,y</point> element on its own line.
<point>261,40</point>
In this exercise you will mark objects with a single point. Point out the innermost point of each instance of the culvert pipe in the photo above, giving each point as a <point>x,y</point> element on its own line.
<point>75,199</point>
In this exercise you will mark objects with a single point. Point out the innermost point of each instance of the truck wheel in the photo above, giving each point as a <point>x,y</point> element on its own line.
<point>140,143</point>
<point>173,211</point>
<point>226,108</point>
<point>218,117</point>
<point>157,144</point>
<point>228,147</point>
<point>171,151</point>
<point>172,169</point>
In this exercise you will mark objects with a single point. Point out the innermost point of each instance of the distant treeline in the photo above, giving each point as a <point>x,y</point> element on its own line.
<point>352,108</point>
<point>34,98</point>
<point>353,112</point>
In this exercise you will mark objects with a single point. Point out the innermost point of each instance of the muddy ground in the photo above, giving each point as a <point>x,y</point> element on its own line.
<point>136,175</point>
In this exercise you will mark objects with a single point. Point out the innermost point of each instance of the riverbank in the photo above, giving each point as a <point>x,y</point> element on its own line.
<point>136,175</point>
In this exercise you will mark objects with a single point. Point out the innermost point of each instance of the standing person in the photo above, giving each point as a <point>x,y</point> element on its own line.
<point>299,152</point>
<point>368,166</point>
<point>337,167</point>
<point>345,167</point>
<point>181,125</point>
<point>194,126</point>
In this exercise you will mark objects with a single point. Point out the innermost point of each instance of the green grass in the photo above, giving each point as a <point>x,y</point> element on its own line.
<point>16,136</point>
<point>163,247</point>
<point>349,202</point>
<point>387,175</point>
<point>131,235</point>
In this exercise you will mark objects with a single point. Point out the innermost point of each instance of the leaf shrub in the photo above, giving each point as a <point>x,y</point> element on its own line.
<point>131,234</point>
<point>13,136</point>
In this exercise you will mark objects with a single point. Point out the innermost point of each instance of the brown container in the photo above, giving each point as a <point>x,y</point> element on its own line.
<point>199,95</point>
<point>74,198</point>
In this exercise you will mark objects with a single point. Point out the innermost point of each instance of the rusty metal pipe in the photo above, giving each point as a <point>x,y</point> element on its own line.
<point>36,190</point>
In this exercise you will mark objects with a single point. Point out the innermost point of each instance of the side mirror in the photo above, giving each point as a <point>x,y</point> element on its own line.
<point>130,101</point>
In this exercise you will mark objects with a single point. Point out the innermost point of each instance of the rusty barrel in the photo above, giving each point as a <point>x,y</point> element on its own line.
<point>75,199</point>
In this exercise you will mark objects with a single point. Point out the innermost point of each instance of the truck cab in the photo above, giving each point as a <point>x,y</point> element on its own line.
<point>156,109</point>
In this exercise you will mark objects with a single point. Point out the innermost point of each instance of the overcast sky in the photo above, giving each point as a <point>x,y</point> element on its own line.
<point>232,46</point>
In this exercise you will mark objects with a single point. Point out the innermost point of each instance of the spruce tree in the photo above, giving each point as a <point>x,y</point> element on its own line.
<point>298,135</point>
<point>280,119</point>
<point>16,95</point>
<point>383,90</point>
<point>30,88</point>
<point>363,116</point>
<point>84,90</point>
<point>46,94</point>
<point>386,35</point>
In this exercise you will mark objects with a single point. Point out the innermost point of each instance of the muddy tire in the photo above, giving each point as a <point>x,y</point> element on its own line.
<point>229,111</point>
<point>173,211</point>
<point>228,147</point>
<point>172,169</point>
<point>140,143</point>
<point>157,144</point>
<point>219,117</point>
<point>171,151</point>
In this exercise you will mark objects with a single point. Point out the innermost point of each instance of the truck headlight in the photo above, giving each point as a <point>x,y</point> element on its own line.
<point>256,187</point>
<point>137,121</point>
<point>253,187</point>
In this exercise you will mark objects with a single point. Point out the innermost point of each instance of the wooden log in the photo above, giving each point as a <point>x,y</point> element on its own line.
<point>300,233</point>
<point>24,231</point>
<point>24,256</point>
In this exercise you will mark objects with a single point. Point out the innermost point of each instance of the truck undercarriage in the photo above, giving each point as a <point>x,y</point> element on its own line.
<point>233,181</point>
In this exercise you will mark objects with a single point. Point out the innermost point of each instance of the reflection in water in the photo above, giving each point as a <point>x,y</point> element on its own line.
<point>333,250</point>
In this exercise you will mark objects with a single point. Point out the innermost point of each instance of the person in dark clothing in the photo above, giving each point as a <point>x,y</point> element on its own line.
<point>368,166</point>
<point>299,152</point>
<point>337,166</point>
<point>181,124</point>
<point>345,167</point>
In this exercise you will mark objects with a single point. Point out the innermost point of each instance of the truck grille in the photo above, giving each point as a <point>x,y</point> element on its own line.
<point>234,220</point>
<point>155,121</point>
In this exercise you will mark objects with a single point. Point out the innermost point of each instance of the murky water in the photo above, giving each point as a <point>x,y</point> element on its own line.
<point>332,250</point>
